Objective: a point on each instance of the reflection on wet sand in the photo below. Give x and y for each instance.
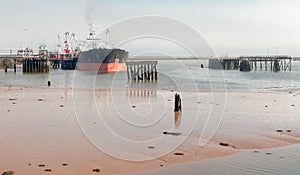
(138, 90)
(141, 93)
(177, 119)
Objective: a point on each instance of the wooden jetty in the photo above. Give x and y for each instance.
(248, 63)
(142, 70)
(30, 64)
(272, 63)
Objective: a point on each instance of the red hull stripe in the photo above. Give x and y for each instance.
(102, 67)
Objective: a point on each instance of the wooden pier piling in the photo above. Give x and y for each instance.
(142, 70)
(177, 104)
(35, 65)
(15, 65)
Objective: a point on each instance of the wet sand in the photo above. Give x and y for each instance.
(40, 134)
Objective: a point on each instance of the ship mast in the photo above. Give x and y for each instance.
(92, 36)
(106, 38)
(58, 46)
(25, 38)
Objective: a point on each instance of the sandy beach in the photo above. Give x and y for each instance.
(40, 134)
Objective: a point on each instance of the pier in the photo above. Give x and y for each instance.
(248, 63)
(271, 63)
(30, 64)
(142, 70)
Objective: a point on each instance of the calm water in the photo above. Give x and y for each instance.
(173, 75)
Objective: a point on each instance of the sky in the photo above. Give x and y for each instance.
(230, 27)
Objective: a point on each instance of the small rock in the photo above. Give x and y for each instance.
(133, 106)
(96, 170)
(279, 130)
(268, 153)
(8, 173)
(292, 105)
(266, 106)
(288, 130)
(178, 154)
(224, 144)
(61, 106)
(151, 147)
(13, 99)
(161, 165)
(64, 164)
(41, 165)
(48, 170)
(40, 99)
(256, 151)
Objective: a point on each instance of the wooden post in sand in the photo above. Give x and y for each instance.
(15, 65)
(5, 67)
(177, 105)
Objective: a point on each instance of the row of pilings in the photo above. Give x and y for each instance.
(35, 65)
(142, 70)
(248, 63)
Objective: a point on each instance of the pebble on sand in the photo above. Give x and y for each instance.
(96, 170)
(178, 154)
(8, 173)
(48, 170)
(224, 144)
(279, 130)
(64, 164)
(61, 106)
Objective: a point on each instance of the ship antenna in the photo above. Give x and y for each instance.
(25, 40)
(106, 39)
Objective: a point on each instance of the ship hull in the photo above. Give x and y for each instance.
(102, 60)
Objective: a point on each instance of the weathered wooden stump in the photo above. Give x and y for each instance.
(177, 105)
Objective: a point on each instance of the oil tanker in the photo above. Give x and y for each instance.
(99, 57)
